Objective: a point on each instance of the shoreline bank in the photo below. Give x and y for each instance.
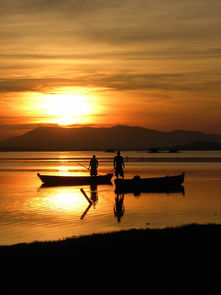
(128, 243)
(181, 260)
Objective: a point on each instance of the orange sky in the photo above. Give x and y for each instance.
(152, 63)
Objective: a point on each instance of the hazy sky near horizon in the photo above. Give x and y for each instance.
(152, 63)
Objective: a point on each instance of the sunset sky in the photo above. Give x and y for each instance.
(150, 63)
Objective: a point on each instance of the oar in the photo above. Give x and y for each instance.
(83, 166)
(86, 167)
(85, 212)
(86, 197)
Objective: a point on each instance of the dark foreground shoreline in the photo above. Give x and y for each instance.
(128, 243)
(183, 259)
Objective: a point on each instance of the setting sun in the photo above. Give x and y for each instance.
(61, 106)
(67, 109)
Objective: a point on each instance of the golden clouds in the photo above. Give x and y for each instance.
(145, 57)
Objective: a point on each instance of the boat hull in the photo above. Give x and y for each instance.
(57, 180)
(136, 191)
(159, 184)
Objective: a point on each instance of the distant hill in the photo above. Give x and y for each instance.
(88, 138)
(200, 146)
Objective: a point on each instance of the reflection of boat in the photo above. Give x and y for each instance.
(56, 180)
(137, 191)
(137, 183)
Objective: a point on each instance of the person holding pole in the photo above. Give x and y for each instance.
(119, 165)
(93, 166)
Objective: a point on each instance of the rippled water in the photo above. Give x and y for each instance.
(29, 212)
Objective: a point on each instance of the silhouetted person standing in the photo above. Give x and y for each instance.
(93, 166)
(119, 165)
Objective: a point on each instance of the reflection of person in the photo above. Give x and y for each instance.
(93, 166)
(119, 207)
(119, 165)
(94, 196)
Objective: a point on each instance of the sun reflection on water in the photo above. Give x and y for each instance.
(63, 170)
(59, 200)
(71, 170)
(66, 202)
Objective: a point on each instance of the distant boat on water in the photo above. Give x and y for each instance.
(173, 150)
(110, 151)
(154, 150)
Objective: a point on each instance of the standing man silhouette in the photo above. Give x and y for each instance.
(119, 165)
(93, 166)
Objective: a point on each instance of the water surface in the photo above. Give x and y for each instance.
(29, 212)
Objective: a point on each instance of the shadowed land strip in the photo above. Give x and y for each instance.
(180, 259)
(132, 243)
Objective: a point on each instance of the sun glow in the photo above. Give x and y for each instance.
(69, 108)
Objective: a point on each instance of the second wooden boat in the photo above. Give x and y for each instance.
(145, 184)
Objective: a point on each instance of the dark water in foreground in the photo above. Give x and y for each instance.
(29, 212)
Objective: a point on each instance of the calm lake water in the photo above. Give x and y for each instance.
(29, 212)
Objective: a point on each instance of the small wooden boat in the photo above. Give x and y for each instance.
(148, 184)
(53, 180)
(136, 191)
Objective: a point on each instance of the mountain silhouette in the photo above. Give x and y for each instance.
(199, 146)
(89, 138)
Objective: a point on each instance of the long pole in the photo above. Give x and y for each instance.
(85, 212)
(86, 197)
(83, 166)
